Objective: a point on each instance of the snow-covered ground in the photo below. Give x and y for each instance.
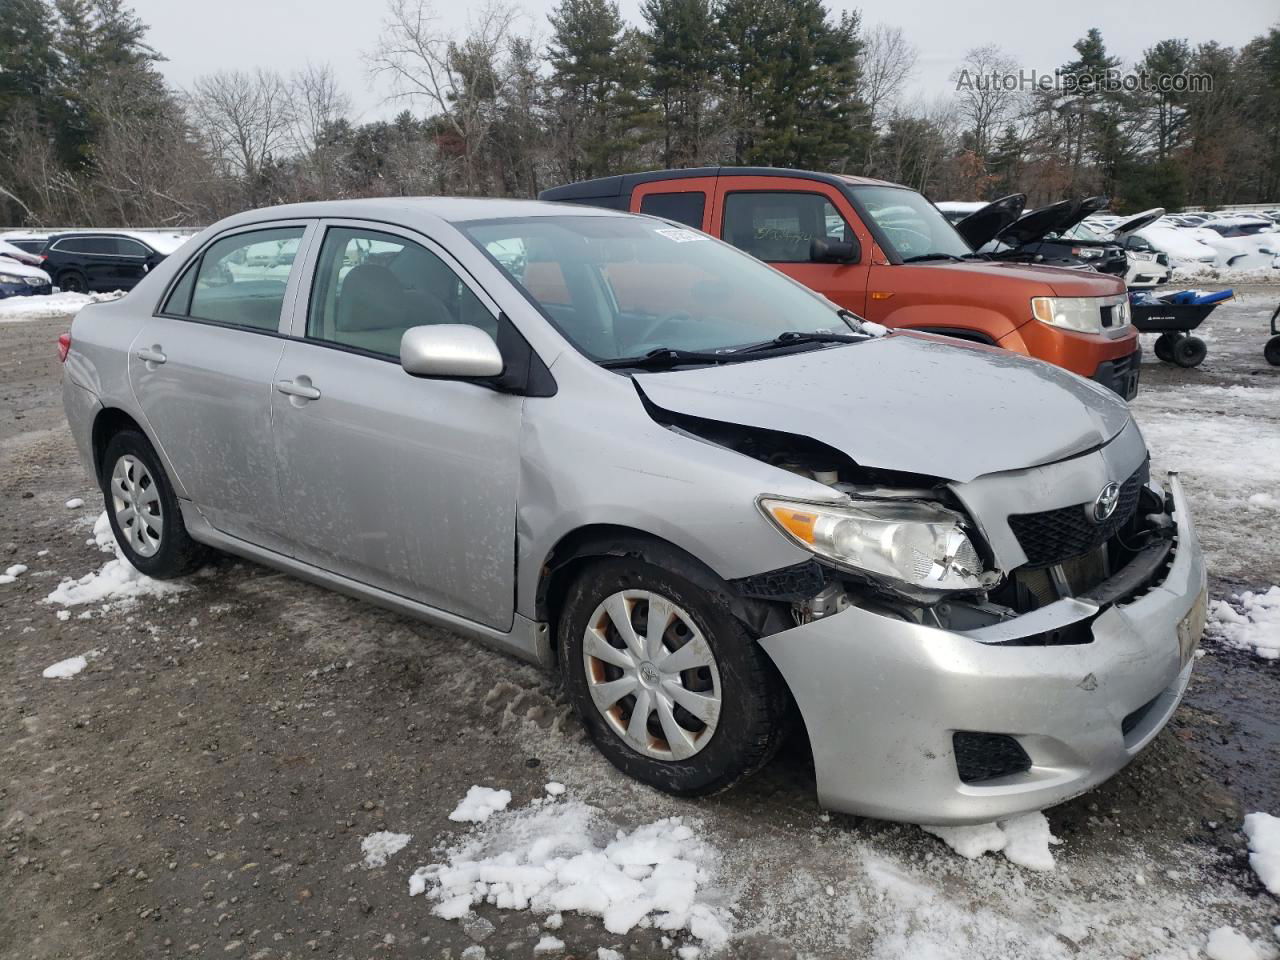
(24, 309)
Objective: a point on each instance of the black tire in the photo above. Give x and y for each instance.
(1272, 351)
(1189, 352)
(73, 281)
(1164, 346)
(177, 554)
(753, 711)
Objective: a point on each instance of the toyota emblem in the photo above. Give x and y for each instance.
(1107, 501)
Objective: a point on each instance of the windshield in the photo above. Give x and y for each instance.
(1078, 232)
(913, 227)
(620, 287)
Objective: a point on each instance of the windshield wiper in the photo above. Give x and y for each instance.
(793, 337)
(663, 357)
(933, 256)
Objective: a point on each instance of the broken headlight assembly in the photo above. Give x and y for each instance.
(918, 545)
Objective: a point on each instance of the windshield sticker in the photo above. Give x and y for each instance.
(678, 235)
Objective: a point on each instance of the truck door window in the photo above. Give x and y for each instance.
(686, 208)
(778, 227)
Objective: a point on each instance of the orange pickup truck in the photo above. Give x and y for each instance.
(886, 253)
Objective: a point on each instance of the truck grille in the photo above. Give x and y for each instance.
(1055, 536)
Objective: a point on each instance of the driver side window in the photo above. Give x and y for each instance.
(779, 227)
(370, 287)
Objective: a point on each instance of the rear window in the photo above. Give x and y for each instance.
(684, 208)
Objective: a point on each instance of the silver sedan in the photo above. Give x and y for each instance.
(706, 496)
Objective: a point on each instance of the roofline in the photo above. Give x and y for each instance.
(623, 184)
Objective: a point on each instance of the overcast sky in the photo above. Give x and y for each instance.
(284, 34)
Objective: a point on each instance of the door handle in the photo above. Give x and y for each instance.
(152, 354)
(299, 387)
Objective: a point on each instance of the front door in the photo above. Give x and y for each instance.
(775, 219)
(202, 371)
(405, 484)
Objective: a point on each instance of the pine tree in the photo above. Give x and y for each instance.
(30, 61)
(598, 76)
(682, 68)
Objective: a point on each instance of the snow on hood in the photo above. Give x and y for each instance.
(15, 269)
(906, 402)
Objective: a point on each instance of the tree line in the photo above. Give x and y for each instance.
(91, 132)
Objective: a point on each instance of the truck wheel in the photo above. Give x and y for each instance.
(143, 510)
(1272, 351)
(669, 684)
(1164, 346)
(1189, 352)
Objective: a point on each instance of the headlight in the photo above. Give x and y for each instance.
(915, 544)
(1071, 313)
(11, 278)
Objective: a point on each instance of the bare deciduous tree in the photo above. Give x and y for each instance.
(984, 103)
(461, 79)
(246, 117)
(318, 104)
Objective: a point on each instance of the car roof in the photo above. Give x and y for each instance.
(409, 209)
(623, 184)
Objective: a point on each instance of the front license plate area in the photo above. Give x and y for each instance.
(1191, 627)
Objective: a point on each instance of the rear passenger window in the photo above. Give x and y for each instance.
(778, 227)
(686, 208)
(92, 246)
(370, 287)
(240, 280)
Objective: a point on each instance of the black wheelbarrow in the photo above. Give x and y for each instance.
(1174, 322)
(1272, 350)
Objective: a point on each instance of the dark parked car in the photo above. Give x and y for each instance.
(34, 245)
(103, 261)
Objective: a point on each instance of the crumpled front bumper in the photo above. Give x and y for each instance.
(882, 698)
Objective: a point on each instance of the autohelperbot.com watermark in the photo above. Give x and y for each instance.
(1064, 81)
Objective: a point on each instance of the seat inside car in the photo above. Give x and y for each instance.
(374, 309)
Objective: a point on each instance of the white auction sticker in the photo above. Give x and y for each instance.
(678, 235)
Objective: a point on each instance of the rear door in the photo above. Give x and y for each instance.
(202, 368)
(402, 483)
(131, 262)
(687, 201)
(776, 218)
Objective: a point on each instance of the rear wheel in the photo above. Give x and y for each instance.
(73, 281)
(1272, 351)
(143, 510)
(1189, 352)
(668, 682)
(1164, 346)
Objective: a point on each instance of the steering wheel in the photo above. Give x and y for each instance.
(659, 323)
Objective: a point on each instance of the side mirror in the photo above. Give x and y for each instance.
(453, 350)
(822, 250)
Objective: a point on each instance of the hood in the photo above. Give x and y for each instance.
(1041, 279)
(1054, 218)
(1137, 222)
(906, 402)
(979, 227)
(17, 253)
(15, 269)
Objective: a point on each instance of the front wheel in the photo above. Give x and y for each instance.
(1164, 346)
(668, 682)
(143, 510)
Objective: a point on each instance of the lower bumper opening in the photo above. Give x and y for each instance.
(988, 756)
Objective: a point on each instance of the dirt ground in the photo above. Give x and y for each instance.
(202, 788)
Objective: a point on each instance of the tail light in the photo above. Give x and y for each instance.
(64, 346)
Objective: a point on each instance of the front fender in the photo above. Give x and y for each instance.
(983, 323)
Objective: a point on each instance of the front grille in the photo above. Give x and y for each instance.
(987, 756)
(1055, 536)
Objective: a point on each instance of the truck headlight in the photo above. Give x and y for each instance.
(1082, 314)
(916, 544)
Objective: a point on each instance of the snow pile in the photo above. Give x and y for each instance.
(1249, 622)
(1225, 944)
(549, 944)
(380, 847)
(479, 804)
(1263, 831)
(50, 306)
(104, 538)
(1023, 840)
(13, 573)
(552, 857)
(66, 669)
(118, 584)
(75, 503)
